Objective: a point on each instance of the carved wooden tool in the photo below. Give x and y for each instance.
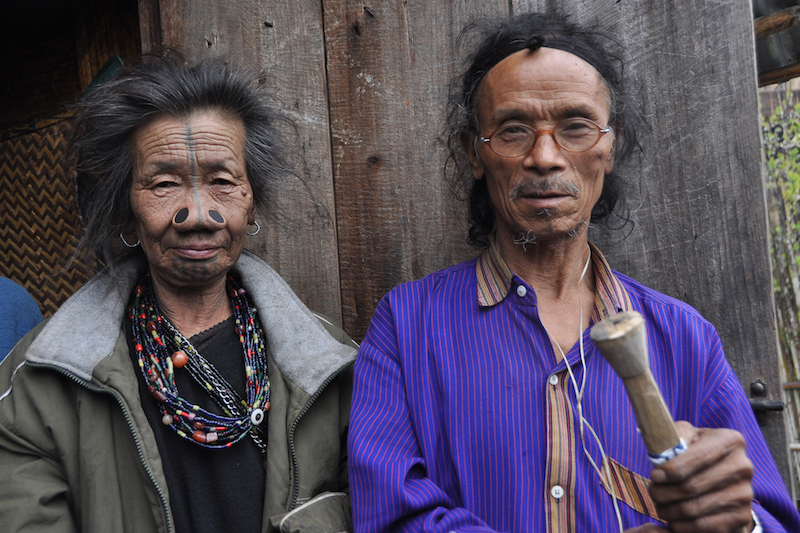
(623, 342)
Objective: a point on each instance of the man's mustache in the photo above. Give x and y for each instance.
(533, 187)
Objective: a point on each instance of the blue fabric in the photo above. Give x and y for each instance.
(19, 313)
(449, 429)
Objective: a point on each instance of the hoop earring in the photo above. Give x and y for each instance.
(134, 245)
(258, 228)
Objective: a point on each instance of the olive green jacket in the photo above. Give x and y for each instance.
(77, 452)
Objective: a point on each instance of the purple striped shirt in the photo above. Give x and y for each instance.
(463, 420)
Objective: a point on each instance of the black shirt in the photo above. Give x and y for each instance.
(210, 490)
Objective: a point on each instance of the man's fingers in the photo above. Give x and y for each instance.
(708, 488)
(728, 508)
(707, 448)
(729, 470)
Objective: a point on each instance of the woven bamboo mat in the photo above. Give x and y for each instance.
(38, 216)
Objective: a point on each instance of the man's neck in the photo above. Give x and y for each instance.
(550, 267)
(563, 283)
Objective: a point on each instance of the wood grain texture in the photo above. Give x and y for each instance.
(388, 66)
(654, 419)
(300, 241)
(374, 165)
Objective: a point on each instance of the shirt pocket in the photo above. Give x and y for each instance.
(630, 488)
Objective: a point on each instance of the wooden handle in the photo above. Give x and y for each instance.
(623, 342)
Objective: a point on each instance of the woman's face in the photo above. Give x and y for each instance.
(190, 197)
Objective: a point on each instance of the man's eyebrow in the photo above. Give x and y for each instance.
(578, 110)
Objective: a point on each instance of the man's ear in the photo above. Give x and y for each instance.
(470, 144)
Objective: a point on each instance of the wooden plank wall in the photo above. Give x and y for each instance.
(365, 82)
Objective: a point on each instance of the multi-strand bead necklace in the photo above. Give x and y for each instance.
(161, 349)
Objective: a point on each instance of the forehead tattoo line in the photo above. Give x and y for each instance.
(193, 171)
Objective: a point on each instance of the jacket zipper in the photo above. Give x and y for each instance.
(162, 497)
(295, 473)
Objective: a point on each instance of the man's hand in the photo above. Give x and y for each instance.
(706, 489)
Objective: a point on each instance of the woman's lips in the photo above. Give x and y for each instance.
(200, 252)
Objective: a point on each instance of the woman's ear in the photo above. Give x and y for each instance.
(469, 141)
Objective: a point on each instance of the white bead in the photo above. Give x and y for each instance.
(257, 416)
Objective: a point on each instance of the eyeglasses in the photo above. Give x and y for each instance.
(573, 135)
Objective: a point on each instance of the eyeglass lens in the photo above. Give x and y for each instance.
(575, 135)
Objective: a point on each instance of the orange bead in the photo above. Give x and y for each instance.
(199, 436)
(179, 359)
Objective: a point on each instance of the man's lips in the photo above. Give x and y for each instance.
(545, 201)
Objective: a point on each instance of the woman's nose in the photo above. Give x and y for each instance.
(198, 217)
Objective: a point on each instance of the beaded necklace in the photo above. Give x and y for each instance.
(161, 348)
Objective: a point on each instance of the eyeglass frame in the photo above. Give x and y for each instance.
(551, 132)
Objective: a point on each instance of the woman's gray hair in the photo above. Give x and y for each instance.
(108, 117)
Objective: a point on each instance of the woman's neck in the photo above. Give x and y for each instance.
(193, 309)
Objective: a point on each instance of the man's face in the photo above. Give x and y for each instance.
(190, 197)
(548, 193)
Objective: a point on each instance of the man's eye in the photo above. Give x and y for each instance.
(511, 133)
(575, 128)
(166, 184)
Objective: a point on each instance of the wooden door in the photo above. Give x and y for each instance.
(365, 83)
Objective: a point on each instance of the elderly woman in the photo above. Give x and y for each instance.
(185, 387)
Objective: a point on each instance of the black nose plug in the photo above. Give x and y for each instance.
(181, 216)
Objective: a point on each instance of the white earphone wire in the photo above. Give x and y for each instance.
(579, 397)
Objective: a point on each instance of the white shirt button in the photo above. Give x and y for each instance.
(557, 492)
(521, 291)
(553, 380)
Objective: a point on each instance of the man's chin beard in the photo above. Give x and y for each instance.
(527, 238)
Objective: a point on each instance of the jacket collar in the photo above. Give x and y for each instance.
(86, 327)
(495, 279)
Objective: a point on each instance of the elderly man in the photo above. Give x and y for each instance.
(480, 402)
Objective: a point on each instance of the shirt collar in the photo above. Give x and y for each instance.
(495, 278)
